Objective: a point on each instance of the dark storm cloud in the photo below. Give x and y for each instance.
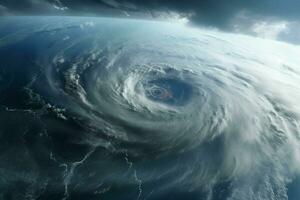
(214, 13)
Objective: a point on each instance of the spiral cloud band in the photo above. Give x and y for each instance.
(158, 109)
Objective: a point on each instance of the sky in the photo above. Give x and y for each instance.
(271, 19)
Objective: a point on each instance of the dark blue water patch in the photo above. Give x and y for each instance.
(293, 189)
(168, 91)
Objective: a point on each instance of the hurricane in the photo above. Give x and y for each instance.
(133, 109)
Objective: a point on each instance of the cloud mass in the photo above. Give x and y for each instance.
(224, 15)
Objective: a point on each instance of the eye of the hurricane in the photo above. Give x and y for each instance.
(168, 91)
